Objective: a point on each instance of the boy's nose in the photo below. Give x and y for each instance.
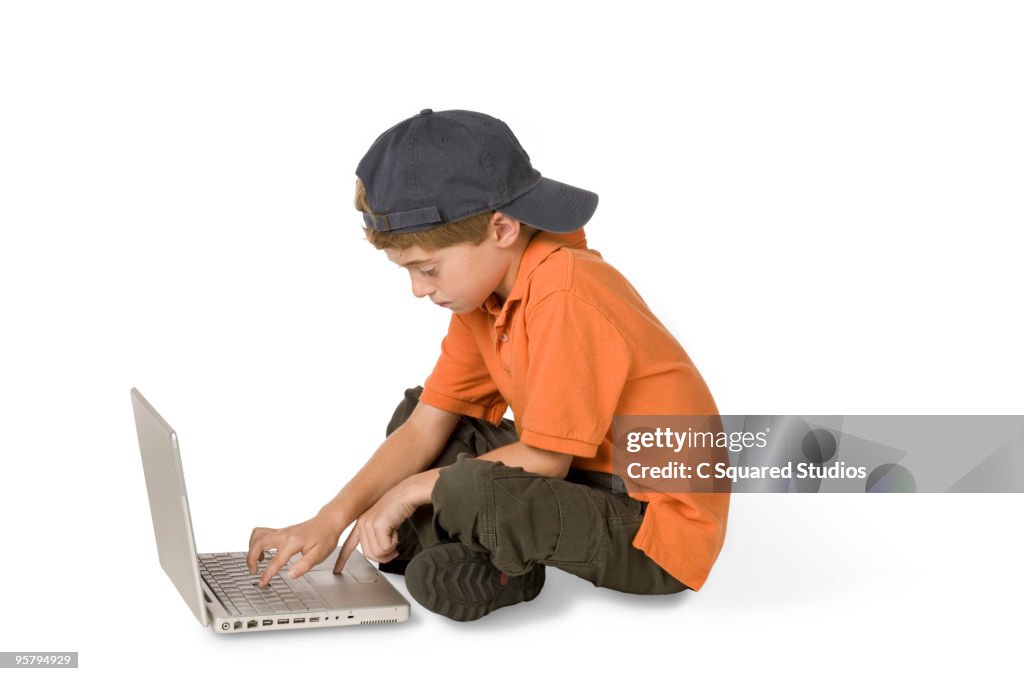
(420, 289)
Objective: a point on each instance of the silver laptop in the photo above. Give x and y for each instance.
(218, 586)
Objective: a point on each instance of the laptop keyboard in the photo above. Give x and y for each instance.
(240, 593)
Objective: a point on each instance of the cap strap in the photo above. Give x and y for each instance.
(394, 222)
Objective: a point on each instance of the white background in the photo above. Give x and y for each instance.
(821, 200)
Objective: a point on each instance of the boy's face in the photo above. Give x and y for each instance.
(461, 277)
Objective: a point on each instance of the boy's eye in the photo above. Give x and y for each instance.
(428, 273)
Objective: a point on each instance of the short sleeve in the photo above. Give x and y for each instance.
(578, 365)
(460, 382)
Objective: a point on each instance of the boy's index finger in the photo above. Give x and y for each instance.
(253, 559)
(346, 549)
(274, 567)
(258, 542)
(256, 555)
(301, 566)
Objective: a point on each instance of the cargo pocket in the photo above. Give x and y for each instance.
(537, 520)
(625, 510)
(582, 531)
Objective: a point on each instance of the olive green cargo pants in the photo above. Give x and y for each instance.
(522, 519)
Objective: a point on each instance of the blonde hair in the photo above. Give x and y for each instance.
(468, 230)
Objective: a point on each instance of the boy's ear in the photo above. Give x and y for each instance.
(505, 228)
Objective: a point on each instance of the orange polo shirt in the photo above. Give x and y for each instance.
(573, 345)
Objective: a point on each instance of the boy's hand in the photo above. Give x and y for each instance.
(315, 538)
(376, 530)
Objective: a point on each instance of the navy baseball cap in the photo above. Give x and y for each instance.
(440, 167)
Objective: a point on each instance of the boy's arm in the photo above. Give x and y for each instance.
(376, 528)
(408, 450)
(529, 458)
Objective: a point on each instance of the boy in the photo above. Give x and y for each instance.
(469, 506)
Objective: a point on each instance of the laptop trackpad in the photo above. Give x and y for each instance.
(361, 571)
(358, 586)
(343, 591)
(357, 567)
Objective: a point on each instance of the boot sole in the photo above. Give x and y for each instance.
(462, 585)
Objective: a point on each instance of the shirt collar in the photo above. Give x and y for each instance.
(540, 246)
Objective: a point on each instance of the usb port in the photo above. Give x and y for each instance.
(314, 619)
(268, 623)
(299, 620)
(282, 621)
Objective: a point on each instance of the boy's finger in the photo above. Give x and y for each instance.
(256, 532)
(346, 550)
(372, 545)
(256, 547)
(304, 564)
(275, 565)
(254, 557)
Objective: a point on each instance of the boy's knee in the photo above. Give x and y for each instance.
(511, 513)
(465, 484)
(405, 408)
(458, 497)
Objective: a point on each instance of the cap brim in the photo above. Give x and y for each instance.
(553, 206)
